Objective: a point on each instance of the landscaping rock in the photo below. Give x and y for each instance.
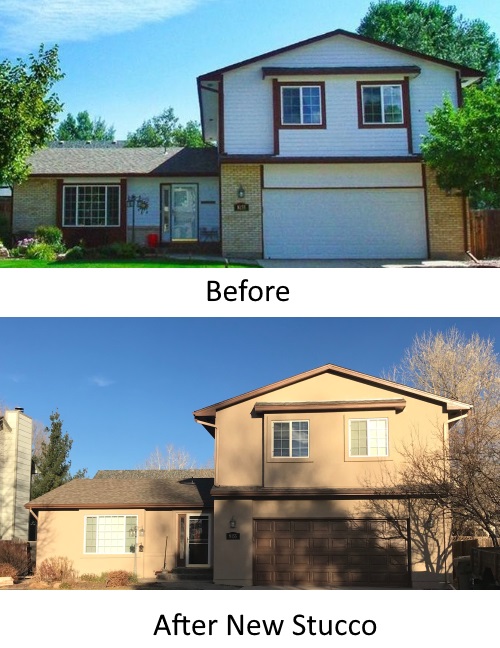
(4, 253)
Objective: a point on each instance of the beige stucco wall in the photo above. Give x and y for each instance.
(34, 203)
(241, 434)
(61, 533)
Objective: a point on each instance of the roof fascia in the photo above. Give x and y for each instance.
(448, 404)
(465, 71)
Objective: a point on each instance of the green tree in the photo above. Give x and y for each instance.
(27, 111)
(165, 130)
(463, 145)
(435, 30)
(53, 464)
(83, 128)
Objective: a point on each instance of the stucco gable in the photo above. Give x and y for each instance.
(207, 414)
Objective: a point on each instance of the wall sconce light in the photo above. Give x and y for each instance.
(241, 192)
(232, 523)
(141, 532)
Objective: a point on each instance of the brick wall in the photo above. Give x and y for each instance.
(447, 235)
(35, 203)
(241, 231)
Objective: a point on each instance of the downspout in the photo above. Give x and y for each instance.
(443, 516)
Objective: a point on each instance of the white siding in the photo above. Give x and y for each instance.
(248, 103)
(342, 175)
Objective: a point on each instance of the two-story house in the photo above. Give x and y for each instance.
(300, 493)
(318, 156)
(319, 149)
(306, 483)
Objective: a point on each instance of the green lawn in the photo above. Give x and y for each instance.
(122, 263)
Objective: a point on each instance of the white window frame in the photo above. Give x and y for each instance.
(301, 122)
(78, 187)
(380, 86)
(102, 553)
(368, 420)
(290, 440)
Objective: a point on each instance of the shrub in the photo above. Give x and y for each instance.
(66, 586)
(75, 253)
(41, 251)
(51, 235)
(120, 578)
(94, 578)
(8, 570)
(17, 554)
(55, 569)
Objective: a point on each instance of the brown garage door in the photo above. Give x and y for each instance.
(329, 552)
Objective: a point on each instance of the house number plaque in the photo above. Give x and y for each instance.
(232, 536)
(241, 207)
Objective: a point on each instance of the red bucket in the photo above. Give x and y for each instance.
(152, 240)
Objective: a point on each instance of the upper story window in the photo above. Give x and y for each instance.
(91, 206)
(302, 105)
(369, 437)
(110, 534)
(291, 439)
(381, 105)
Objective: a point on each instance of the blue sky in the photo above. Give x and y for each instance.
(125, 386)
(126, 61)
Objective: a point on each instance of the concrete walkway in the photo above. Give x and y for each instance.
(361, 263)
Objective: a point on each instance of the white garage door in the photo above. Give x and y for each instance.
(344, 224)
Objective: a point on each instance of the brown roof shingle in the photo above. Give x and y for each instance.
(104, 161)
(128, 493)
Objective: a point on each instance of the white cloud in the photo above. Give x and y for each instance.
(100, 381)
(24, 25)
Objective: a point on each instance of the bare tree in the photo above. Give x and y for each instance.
(172, 458)
(460, 473)
(40, 436)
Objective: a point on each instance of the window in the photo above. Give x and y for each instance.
(291, 439)
(91, 206)
(382, 105)
(368, 438)
(301, 105)
(110, 534)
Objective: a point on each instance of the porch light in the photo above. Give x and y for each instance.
(241, 192)
(141, 532)
(232, 522)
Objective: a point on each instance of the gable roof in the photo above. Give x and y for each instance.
(120, 161)
(206, 415)
(464, 71)
(124, 492)
(176, 474)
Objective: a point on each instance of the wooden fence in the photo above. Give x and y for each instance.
(463, 546)
(485, 233)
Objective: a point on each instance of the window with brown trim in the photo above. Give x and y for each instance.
(381, 105)
(91, 206)
(302, 105)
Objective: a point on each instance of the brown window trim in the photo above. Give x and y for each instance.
(404, 83)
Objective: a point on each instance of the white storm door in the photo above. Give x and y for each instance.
(184, 212)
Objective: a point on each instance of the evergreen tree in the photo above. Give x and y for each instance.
(53, 465)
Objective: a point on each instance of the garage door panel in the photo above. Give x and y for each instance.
(344, 224)
(360, 557)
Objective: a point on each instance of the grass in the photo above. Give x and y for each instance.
(156, 262)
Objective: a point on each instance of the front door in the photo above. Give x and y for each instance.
(184, 212)
(198, 540)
